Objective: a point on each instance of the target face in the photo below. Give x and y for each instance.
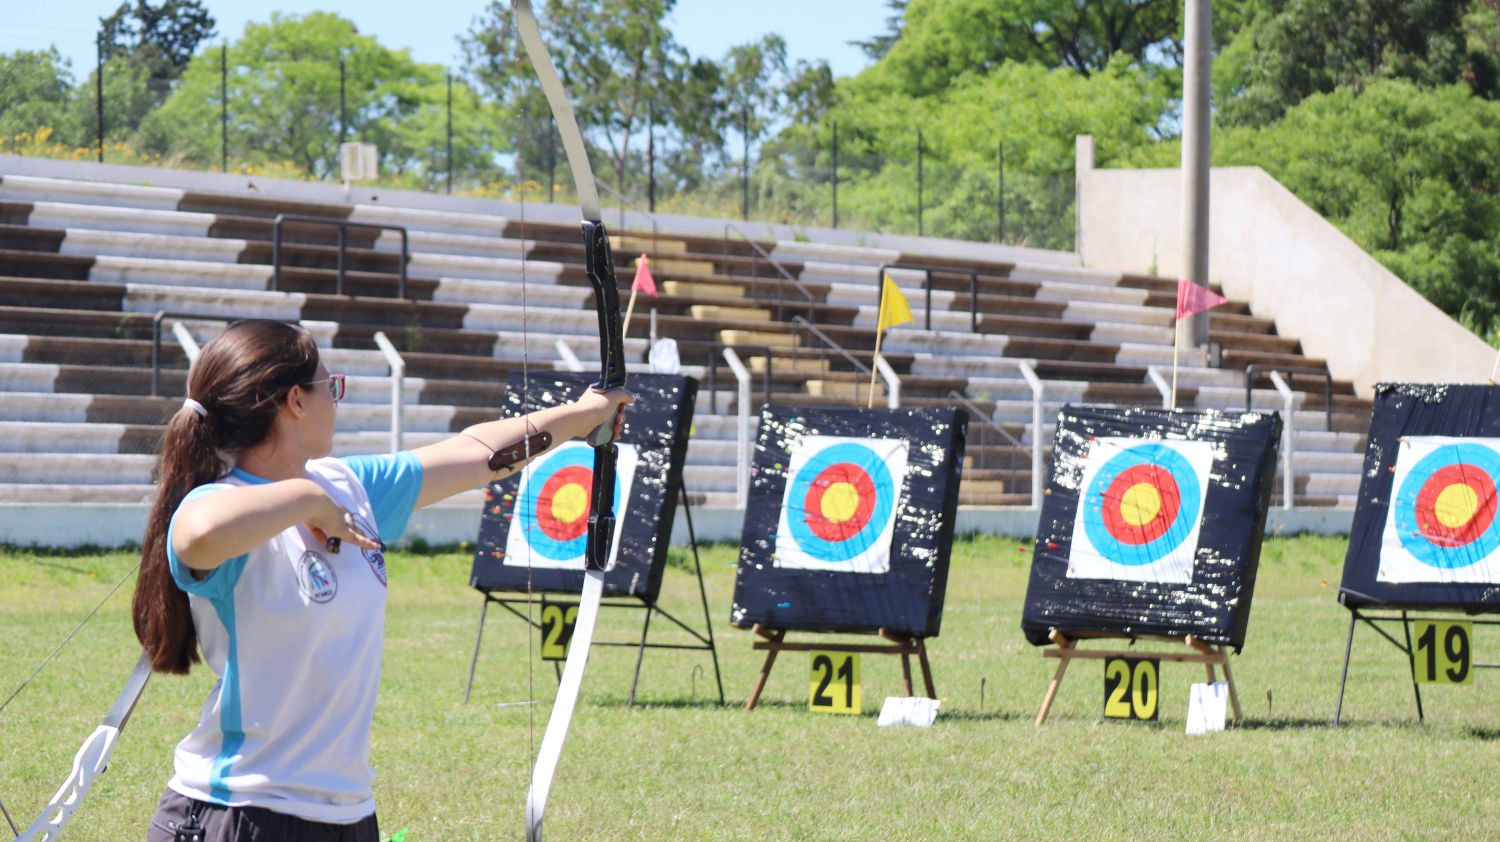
(1440, 525)
(552, 507)
(839, 511)
(1140, 509)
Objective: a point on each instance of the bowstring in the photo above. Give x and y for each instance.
(519, 516)
(53, 655)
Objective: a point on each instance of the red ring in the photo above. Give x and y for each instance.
(864, 488)
(1171, 500)
(561, 530)
(1449, 475)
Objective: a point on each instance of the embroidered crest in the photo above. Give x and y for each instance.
(315, 578)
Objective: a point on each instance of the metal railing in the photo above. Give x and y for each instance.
(343, 226)
(1253, 372)
(1159, 380)
(928, 271)
(742, 430)
(988, 419)
(627, 204)
(1288, 465)
(398, 376)
(893, 396)
(711, 372)
(757, 254)
(181, 334)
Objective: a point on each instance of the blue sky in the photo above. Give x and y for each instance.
(813, 29)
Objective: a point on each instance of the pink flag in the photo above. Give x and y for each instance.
(1192, 298)
(643, 280)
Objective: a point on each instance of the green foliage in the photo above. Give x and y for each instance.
(1294, 49)
(1411, 174)
(283, 98)
(35, 93)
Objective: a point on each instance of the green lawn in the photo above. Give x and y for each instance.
(681, 767)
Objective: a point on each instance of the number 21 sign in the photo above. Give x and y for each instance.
(834, 682)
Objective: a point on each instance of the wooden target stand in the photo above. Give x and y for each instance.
(1066, 650)
(705, 640)
(775, 643)
(1407, 647)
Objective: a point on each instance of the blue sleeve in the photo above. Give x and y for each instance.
(393, 483)
(219, 581)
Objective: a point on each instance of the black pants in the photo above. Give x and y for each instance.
(250, 824)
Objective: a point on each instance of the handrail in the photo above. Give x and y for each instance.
(1289, 405)
(156, 322)
(980, 414)
(398, 376)
(1254, 371)
(742, 435)
(569, 358)
(186, 340)
(892, 382)
(1160, 382)
(343, 225)
(859, 366)
(625, 204)
(1038, 395)
(758, 254)
(927, 287)
(711, 371)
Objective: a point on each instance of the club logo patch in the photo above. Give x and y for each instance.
(315, 578)
(376, 558)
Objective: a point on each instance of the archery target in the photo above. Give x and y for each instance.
(1140, 509)
(839, 510)
(1440, 524)
(552, 507)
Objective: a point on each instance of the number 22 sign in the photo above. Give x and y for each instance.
(834, 682)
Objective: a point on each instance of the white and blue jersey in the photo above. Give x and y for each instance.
(295, 633)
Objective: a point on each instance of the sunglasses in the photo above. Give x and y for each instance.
(335, 386)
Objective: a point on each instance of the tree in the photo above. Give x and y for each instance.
(614, 56)
(1294, 49)
(168, 35)
(34, 94)
(283, 96)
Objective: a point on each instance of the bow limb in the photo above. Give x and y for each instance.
(612, 376)
(91, 761)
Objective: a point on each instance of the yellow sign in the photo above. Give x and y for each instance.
(1130, 688)
(834, 684)
(557, 624)
(1442, 652)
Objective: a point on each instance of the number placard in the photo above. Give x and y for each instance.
(558, 619)
(1130, 688)
(834, 682)
(1444, 652)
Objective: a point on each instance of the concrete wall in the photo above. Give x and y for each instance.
(1268, 248)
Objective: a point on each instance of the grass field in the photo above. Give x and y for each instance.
(681, 767)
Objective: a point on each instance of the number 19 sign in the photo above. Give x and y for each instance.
(1443, 652)
(834, 682)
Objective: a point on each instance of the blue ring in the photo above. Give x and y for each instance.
(526, 507)
(864, 458)
(1188, 510)
(1405, 502)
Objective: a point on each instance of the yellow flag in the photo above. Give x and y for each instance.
(893, 307)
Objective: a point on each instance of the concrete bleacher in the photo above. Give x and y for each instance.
(85, 265)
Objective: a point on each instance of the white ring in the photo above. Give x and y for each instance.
(189, 403)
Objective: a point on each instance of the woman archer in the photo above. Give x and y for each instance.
(267, 555)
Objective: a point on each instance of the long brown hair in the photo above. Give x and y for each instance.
(241, 379)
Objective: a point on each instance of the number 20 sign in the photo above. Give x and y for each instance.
(834, 682)
(1130, 688)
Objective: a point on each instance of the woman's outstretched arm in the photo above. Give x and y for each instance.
(461, 462)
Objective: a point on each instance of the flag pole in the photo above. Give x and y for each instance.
(1176, 342)
(629, 309)
(879, 323)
